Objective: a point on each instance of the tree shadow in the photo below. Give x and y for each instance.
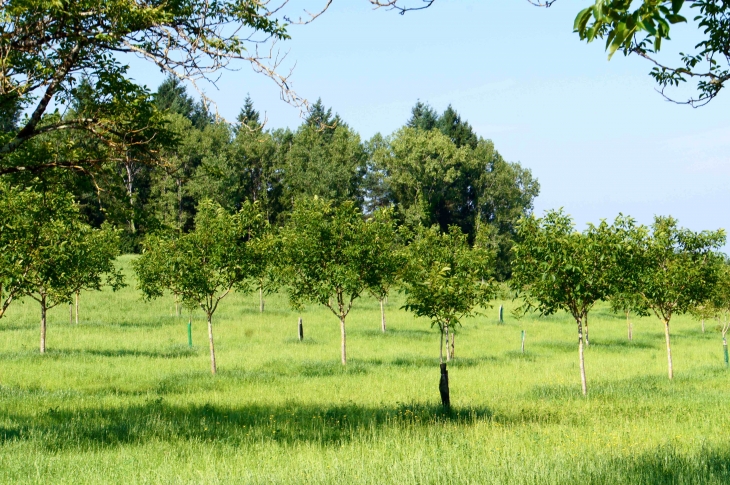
(666, 465)
(157, 420)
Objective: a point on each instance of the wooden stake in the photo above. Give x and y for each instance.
(301, 330)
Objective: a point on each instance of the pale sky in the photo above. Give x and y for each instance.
(595, 133)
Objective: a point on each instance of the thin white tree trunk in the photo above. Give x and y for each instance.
(382, 315)
(588, 342)
(669, 350)
(213, 367)
(43, 325)
(583, 383)
(344, 340)
(448, 353)
(261, 299)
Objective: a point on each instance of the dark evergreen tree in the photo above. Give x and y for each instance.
(460, 132)
(423, 117)
(249, 115)
(10, 109)
(172, 96)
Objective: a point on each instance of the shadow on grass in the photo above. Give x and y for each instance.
(666, 465)
(156, 420)
(174, 352)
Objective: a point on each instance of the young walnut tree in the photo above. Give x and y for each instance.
(223, 252)
(331, 255)
(445, 281)
(557, 268)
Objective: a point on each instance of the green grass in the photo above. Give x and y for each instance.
(120, 398)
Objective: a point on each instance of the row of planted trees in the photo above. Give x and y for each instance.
(333, 254)
(662, 270)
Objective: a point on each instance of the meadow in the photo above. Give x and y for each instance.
(121, 398)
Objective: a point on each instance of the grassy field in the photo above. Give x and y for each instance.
(120, 398)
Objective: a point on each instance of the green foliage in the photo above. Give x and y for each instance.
(204, 265)
(673, 269)
(330, 254)
(446, 280)
(48, 253)
(640, 28)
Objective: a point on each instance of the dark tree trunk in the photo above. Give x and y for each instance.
(301, 329)
(444, 387)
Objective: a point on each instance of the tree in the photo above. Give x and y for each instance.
(388, 264)
(325, 162)
(459, 132)
(223, 252)
(430, 180)
(423, 117)
(54, 255)
(48, 46)
(626, 303)
(445, 281)
(249, 116)
(672, 269)
(330, 255)
(717, 305)
(557, 268)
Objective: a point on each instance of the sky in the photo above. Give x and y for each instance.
(598, 137)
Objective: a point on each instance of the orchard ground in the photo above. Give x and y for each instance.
(120, 398)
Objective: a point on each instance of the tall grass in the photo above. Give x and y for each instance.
(120, 398)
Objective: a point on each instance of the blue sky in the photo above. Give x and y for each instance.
(595, 133)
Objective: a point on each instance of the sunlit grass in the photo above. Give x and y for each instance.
(120, 398)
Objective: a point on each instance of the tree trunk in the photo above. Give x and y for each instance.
(628, 325)
(382, 315)
(301, 329)
(441, 349)
(588, 342)
(444, 387)
(453, 342)
(43, 325)
(261, 299)
(669, 349)
(448, 351)
(583, 384)
(344, 340)
(213, 367)
(77, 308)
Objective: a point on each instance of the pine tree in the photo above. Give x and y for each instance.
(460, 132)
(423, 117)
(249, 115)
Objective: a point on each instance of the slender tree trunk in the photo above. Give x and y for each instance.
(382, 315)
(213, 367)
(628, 325)
(588, 342)
(43, 324)
(77, 308)
(300, 327)
(441, 349)
(444, 381)
(453, 343)
(583, 384)
(261, 299)
(344, 340)
(670, 369)
(448, 351)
